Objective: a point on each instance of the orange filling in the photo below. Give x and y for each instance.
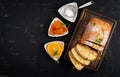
(55, 49)
(58, 28)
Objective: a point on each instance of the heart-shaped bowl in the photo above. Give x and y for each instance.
(57, 28)
(54, 49)
(69, 11)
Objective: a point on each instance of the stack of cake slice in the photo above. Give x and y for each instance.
(81, 56)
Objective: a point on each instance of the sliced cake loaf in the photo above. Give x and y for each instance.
(97, 31)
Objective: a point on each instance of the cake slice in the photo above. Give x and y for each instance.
(79, 58)
(86, 52)
(93, 45)
(76, 64)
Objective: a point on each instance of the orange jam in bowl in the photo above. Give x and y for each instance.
(58, 28)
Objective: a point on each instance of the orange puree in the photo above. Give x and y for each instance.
(58, 28)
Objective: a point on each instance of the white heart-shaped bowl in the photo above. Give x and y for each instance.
(73, 7)
(57, 35)
(57, 58)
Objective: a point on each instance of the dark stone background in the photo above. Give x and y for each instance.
(23, 32)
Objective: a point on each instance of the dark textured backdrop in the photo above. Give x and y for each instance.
(23, 32)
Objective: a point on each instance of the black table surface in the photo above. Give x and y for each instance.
(23, 33)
